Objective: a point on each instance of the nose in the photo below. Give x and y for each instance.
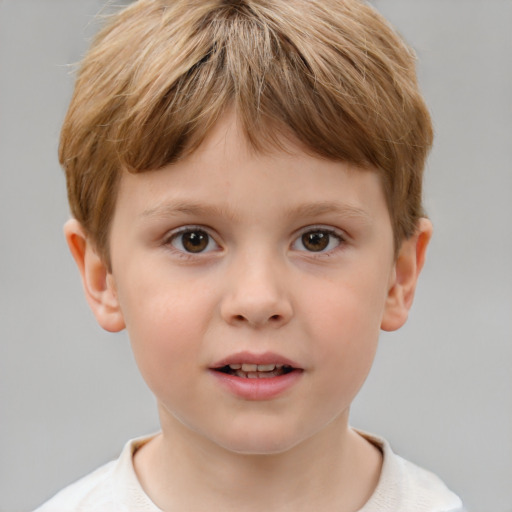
(257, 295)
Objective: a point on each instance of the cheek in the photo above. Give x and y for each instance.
(344, 359)
(347, 309)
(166, 324)
(344, 321)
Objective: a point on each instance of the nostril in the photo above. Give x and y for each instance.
(242, 318)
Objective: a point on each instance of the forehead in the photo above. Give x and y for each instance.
(226, 173)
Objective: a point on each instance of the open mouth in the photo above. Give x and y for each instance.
(255, 371)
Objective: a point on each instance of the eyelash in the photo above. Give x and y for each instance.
(180, 233)
(330, 233)
(177, 236)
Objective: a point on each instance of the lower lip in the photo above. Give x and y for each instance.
(258, 389)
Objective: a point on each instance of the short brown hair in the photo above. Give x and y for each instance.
(331, 74)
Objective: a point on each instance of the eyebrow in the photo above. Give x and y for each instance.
(317, 209)
(307, 210)
(172, 209)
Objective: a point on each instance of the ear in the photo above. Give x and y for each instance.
(98, 282)
(408, 265)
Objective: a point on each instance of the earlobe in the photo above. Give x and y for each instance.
(408, 265)
(97, 281)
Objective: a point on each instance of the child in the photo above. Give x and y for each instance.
(245, 182)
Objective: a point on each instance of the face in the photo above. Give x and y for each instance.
(253, 288)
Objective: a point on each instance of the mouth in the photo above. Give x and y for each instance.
(257, 377)
(256, 371)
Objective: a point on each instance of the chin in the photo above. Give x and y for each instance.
(260, 442)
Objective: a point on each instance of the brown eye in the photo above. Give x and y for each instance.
(193, 241)
(315, 241)
(318, 240)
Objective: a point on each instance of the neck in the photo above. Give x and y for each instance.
(335, 469)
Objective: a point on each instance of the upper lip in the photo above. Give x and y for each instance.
(254, 358)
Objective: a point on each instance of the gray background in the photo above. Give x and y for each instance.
(440, 391)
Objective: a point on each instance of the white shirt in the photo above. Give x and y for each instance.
(114, 487)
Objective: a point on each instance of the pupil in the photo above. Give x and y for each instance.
(316, 241)
(195, 241)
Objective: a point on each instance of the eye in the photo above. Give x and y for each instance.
(318, 240)
(193, 241)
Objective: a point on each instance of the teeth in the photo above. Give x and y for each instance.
(256, 375)
(246, 367)
(257, 371)
(266, 367)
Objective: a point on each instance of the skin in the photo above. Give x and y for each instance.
(257, 287)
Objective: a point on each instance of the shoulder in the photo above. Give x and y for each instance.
(403, 486)
(113, 487)
(91, 489)
(424, 489)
